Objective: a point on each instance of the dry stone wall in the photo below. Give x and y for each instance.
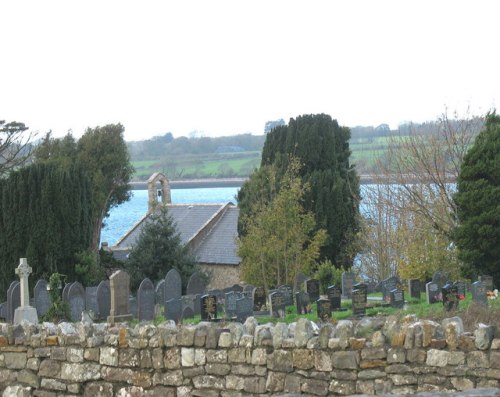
(233, 359)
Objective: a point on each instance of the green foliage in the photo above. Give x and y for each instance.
(87, 268)
(327, 274)
(322, 146)
(478, 196)
(59, 310)
(158, 250)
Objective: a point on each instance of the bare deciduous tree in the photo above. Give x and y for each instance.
(15, 145)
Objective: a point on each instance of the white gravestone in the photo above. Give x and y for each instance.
(25, 312)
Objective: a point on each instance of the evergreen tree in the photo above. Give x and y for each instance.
(478, 202)
(159, 249)
(322, 147)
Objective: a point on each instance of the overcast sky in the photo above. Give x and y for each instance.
(227, 67)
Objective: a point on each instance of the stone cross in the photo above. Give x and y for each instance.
(23, 271)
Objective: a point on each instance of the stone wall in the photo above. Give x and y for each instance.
(232, 359)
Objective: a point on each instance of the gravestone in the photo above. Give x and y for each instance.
(188, 301)
(244, 308)
(324, 309)
(414, 288)
(397, 298)
(347, 283)
(312, 288)
(287, 291)
(248, 289)
(197, 304)
(277, 301)
(449, 292)
(487, 281)
(440, 278)
(358, 297)
(76, 301)
(300, 278)
(259, 299)
(230, 304)
(187, 312)
(42, 297)
(103, 300)
(479, 293)
(209, 307)
(91, 299)
(3, 310)
(119, 286)
(461, 289)
(24, 312)
(160, 292)
(173, 285)
(13, 299)
(132, 306)
(389, 284)
(363, 287)
(65, 292)
(146, 301)
(433, 292)
(173, 309)
(303, 302)
(197, 284)
(237, 288)
(335, 297)
(219, 298)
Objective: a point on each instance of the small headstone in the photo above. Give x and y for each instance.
(324, 310)
(300, 278)
(244, 308)
(197, 284)
(208, 307)
(387, 285)
(91, 300)
(76, 301)
(160, 292)
(219, 298)
(230, 304)
(65, 291)
(335, 297)
(347, 283)
(13, 299)
(363, 287)
(146, 301)
(449, 293)
(461, 289)
(440, 278)
(259, 299)
(173, 309)
(103, 300)
(414, 288)
(277, 301)
(187, 312)
(397, 298)
(287, 291)
(358, 297)
(433, 293)
(312, 288)
(487, 281)
(303, 302)
(197, 304)
(119, 285)
(237, 288)
(479, 293)
(248, 289)
(42, 298)
(173, 285)
(188, 301)
(3, 310)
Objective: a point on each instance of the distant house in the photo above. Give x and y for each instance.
(208, 230)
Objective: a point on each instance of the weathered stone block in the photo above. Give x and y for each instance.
(437, 358)
(33, 364)
(234, 382)
(98, 389)
(217, 369)
(367, 364)
(416, 355)
(28, 377)
(225, 340)
(49, 368)
(259, 356)
(345, 360)
(292, 383)
(456, 358)
(280, 360)
(462, 384)
(237, 355)
(191, 372)
(373, 353)
(303, 359)
(342, 387)
(187, 357)
(495, 359)
(209, 382)
(169, 378)
(91, 354)
(74, 354)
(397, 369)
(53, 384)
(478, 359)
(172, 358)
(80, 372)
(322, 361)
(255, 384)
(275, 381)
(15, 360)
(316, 387)
(141, 379)
(108, 356)
(395, 355)
(114, 374)
(129, 357)
(365, 387)
(401, 380)
(371, 374)
(242, 369)
(216, 356)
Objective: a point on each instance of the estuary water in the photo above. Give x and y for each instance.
(122, 218)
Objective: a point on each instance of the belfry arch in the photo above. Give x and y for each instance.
(158, 186)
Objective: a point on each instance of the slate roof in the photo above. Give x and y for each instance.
(215, 224)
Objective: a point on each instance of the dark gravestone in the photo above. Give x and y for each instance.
(287, 291)
(197, 284)
(449, 292)
(91, 299)
(300, 278)
(461, 289)
(248, 289)
(42, 297)
(65, 292)
(334, 296)
(433, 293)
(324, 310)
(187, 312)
(479, 293)
(347, 283)
(208, 307)
(303, 302)
(387, 285)
(3, 310)
(277, 301)
(363, 287)
(76, 301)
(312, 288)
(197, 305)
(414, 288)
(173, 309)
(259, 299)
(244, 308)
(13, 299)
(440, 278)
(487, 281)
(146, 301)
(358, 297)
(103, 299)
(219, 298)
(230, 304)
(237, 288)
(160, 292)
(227, 290)
(119, 286)
(188, 302)
(397, 298)
(173, 285)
